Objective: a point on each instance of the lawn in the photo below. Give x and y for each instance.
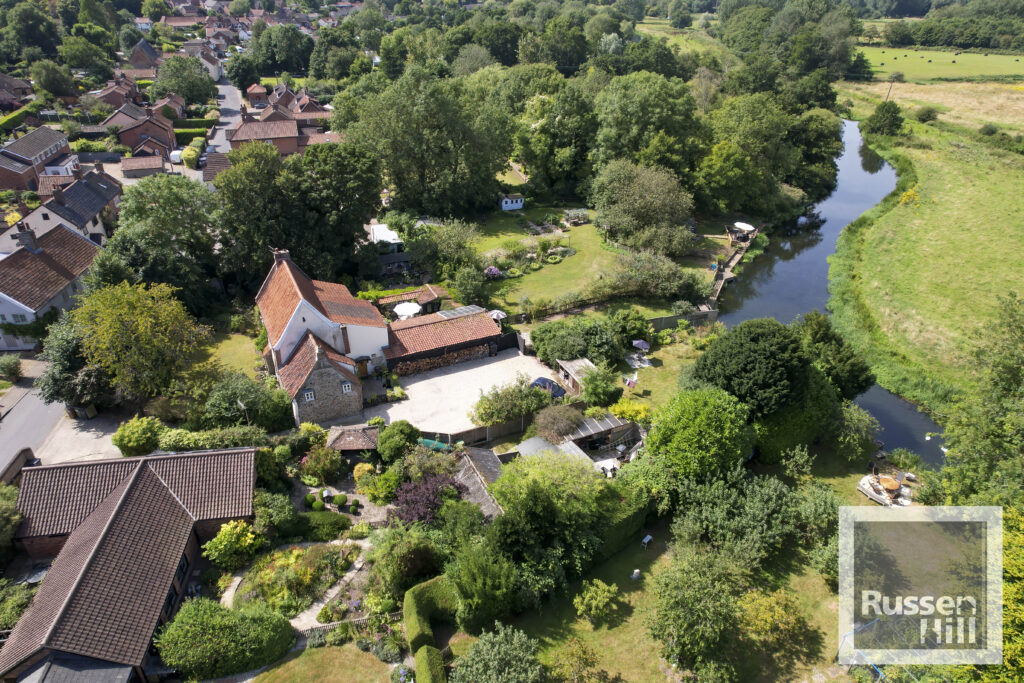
(896, 301)
(335, 664)
(271, 81)
(657, 384)
(927, 65)
(4, 386)
(624, 648)
(235, 352)
(503, 226)
(687, 39)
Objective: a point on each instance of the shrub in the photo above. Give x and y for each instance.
(634, 411)
(364, 644)
(207, 640)
(361, 470)
(388, 651)
(340, 499)
(988, 129)
(596, 601)
(340, 635)
(10, 366)
(509, 402)
(395, 439)
(601, 386)
(322, 464)
(290, 579)
(318, 506)
(233, 546)
(926, 114)
(376, 421)
(429, 665)
(274, 515)
(310, 499)
(177, 440)
(553, 258)
(402, 674)
(190, 157)
(354, 510)
(434, 599)
(138, 436)
(380, 488)
(14, 600)
(316, 434)
(503, 654)
(419, 501)
(323, 525)
(183, 136)
(316, 639)
(555, 422)
(358, 531)
(885, 120)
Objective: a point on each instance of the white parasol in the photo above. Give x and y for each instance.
(407, 309)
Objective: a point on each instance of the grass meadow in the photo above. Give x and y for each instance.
(921, 65)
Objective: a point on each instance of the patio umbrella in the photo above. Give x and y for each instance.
(498, 315)
(641, 344)
(745, 227)
(407, 309)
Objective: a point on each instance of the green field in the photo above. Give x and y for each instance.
(336, 664)
(687, 39)
(915, 66)
(235, 352)
(915, 282)
(271, 81)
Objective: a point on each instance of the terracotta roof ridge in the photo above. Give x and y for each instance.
(143, 458)
(92, 555)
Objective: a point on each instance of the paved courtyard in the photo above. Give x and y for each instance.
(440, 400)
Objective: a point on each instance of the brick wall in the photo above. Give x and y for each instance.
(43, 546)
(411, 367)
(329, 402)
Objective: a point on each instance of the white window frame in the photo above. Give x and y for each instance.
(20, 318)
(346, 388)
(308, 396)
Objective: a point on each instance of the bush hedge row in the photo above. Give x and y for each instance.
(430, 599)
(322, 525)
(14, 119)
(184, 124)
(622, 527)
(226, 437)
(183, 136)
(429, 665)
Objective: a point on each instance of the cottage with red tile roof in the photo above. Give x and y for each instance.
(126, 534)
(320, 341)
(39, 274)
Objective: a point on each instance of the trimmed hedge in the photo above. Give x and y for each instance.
(14, 119)
(429, 665)
(227, 437)
(322, 525)
(183, 136)
(433, 598)
(622, 527)
(194, 123)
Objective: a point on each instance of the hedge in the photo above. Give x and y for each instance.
(322, 525)
(183, 136)
(194, 123)
(622, 527)
(14, 119)
(429, 665)
(227, 437)
(433, 598)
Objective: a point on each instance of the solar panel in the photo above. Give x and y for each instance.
(459, 312)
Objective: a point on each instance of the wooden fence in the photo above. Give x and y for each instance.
(357, 623)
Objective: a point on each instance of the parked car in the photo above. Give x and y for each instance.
(549, 385)
(176, 156)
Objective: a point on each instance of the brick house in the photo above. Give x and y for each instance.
(40, 273)
(79, 205)
(143, 56)
(174, 102)
(43, 151)
(257, 95)
(120, 91)
(125, 553)
(138, 124)
(320, 341)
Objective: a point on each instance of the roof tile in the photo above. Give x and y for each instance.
(432, 332)
(32, 279)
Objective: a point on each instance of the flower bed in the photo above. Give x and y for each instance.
(289, 580)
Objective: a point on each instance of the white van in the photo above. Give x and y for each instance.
(176, 156)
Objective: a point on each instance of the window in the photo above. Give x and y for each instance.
(20, 318)
(308, 396)
(179, 576)
(95, 221)
(346, 388)
(172, 597)
(3, 318)
(46, 216)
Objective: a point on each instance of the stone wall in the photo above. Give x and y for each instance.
(412, 367)
(329, 401)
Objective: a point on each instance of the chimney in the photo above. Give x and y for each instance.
(281, 255)
(58, 194)
(98, 167)
(245, 112)
(77, 173)
(27, 238)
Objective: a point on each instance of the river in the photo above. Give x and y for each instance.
(791, 278)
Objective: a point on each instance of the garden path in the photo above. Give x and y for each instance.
(307, 618)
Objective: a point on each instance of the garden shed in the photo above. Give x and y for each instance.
(573, 372)
(602, 433)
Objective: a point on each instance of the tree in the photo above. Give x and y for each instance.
(10, 366)
(128, 37)
(49, 77)
(594, 338)
(601, 386)
(728, 180)
(282, 47)
(512, 401)
(241, 70)
(322, 464)
(647, 118)
(555, 422)
(80, 53)
(471, 58)
(140, 335)
(233, 546)
(554, 139)
(578, 664)
(694, 608)
(67, 378)
(503, 655)
(10, 519)
(237, 398)
(469, 286)
(28, 25)
(773, 619)
(848, 372)
(239, 8)
(446, 249)
(184, 76)
(274, 515)
(561, 44)
(156, 9)
(419, 501)
(207, 640)
(757, 125)
(898, 34)
(885, 120)
(761, 362)
(643, 207)
(167, 229)
(596, 601)
(679, 14)
(138, 436)
(440, 152)
(396, 439)
(700, 432)
(487, 584)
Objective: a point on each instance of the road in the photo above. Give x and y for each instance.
(230, 112)
(27, 424)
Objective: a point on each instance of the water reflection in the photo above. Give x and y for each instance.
(791, 278)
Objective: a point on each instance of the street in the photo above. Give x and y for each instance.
(230, 112)
(28, 421)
